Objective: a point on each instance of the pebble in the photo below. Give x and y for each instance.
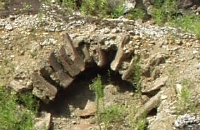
(9, 27)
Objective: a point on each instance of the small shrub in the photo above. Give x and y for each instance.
(163, 12)
(70, 5)
(112, 115)
(137, 74)
(17, 111)
(117, 11)
(139, 124)
(184, 103)
(115, 8)
(136, 13)
(94, 7)
(98, 88)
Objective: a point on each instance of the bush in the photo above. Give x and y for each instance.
(94, 7)
(163, 12)
(98, 88)
(17, 111)
(184, 103)
(112, 115)
(136, 13)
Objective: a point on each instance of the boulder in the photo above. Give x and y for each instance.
(164, 122)
(188, 122)
(116, 63)
(17, 86)
(64, 79)
(43, 89)
(89, 110)
(43, 122)
(155, 85)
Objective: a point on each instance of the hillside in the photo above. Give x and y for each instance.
(148, 74)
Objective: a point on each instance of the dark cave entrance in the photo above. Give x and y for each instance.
(78, 93)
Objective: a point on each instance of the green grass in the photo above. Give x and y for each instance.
(189, 24)
(112, 115)
(137, 74)
(167, 13)
(164, 12)
(184, 102)
(140, 124)
(17, 110)
(98, 88)
(95, 7)
(117, 11)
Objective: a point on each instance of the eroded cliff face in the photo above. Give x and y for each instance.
(50, 55)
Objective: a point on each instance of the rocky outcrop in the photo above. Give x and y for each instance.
(51, 64)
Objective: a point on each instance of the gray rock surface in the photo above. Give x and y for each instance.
(188, 122)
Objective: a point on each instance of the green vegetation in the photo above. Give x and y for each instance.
(188, 23)
(115, 115)
(137, 74)
(17, 110)
(167, 13)
(164, 12)
(117, 11)
(112, 115)
(184, 103)
(139, 124)
(94, 7)
(137, 13)
(3, 5)
(107, 115)
(98, 88)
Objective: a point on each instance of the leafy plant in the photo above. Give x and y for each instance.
(184, 103)
(97, 87)
(137, 74)
(17, 111)
(3, 4)
(112, 114)
(136, 13)
(70, 5)
(140, 123)
(163, 12)
(95, 7)
(117, 11)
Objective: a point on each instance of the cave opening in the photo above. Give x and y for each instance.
(78, 93)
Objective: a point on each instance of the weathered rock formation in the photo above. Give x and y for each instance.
(53, 62)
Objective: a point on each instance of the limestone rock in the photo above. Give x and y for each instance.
(84, 127)
(17, 86)
(64, 78)
(188, 122)
(43, 122)
(156, 85)
(68, 65)
(102, 60)
(72, 52)
(128, 72)
(89, 110)
(9, 27)
(153, 61)
(148, 106)
(163, 123)
(120, 54)
(43, 89)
